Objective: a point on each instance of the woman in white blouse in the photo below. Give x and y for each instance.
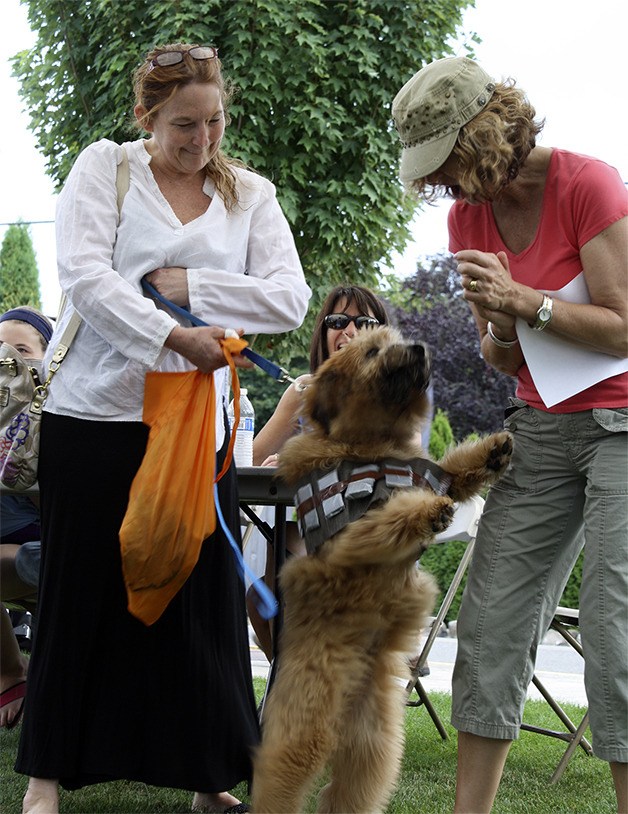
(108, 697)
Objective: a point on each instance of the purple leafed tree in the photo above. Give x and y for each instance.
(469, 391)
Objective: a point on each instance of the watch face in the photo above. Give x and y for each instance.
(544, 314)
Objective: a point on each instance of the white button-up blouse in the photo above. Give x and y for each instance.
(242, 271)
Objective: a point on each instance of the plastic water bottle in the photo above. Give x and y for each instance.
(243, 449)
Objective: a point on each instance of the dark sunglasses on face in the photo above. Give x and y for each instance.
(174, 57)
(338, 322)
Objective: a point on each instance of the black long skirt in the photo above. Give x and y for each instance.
(108, 697)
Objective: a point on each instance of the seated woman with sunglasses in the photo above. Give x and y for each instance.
(346, 310)
(170, 704)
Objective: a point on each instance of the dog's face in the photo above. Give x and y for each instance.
(375, 387)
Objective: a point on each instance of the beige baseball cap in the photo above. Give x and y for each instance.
(430, 109)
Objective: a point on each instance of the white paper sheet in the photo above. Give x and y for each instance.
(560, 368)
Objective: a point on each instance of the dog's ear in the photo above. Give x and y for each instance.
(324, 400)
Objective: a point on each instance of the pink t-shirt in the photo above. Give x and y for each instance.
(582, 197)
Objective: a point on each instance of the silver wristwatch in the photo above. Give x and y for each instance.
(544, 314)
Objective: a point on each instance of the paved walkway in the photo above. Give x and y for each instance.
(558, 667)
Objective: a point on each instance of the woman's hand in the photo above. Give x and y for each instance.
(281, 425)
(488, 286)
(172, 283)
(486, 279)
(201, 347)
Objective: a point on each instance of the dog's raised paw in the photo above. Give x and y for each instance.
(500, 453)
(442, 517)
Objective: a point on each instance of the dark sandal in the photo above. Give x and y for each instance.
(14, 693)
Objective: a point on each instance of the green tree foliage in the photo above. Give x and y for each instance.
(441, 561)
(316, 79)
(441, 436)
(571, 594)
(19, 275)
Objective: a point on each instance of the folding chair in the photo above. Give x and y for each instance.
(564, 620)
(464, 527)
(256, 534)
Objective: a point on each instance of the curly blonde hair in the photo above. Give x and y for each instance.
(154, 86)
(491, 148)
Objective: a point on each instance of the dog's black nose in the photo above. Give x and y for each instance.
(420, 351)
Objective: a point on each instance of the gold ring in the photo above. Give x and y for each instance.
(473, 285)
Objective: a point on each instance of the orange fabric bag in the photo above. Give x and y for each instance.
(171, 502)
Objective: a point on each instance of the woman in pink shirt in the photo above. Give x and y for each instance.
(541, 240)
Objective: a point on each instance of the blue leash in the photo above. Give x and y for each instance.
(267, 604)
(276, 372)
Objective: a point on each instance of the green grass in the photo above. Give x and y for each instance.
(426, 784)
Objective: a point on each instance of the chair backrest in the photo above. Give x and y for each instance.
(465, 523)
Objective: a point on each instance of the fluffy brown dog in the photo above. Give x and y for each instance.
(354, 608)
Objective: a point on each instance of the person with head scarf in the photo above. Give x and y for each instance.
(28, 331)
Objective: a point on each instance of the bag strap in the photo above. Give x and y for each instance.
(123, 179)
(66, 340)
(63, 346)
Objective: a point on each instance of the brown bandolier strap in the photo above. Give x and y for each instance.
(327, 500)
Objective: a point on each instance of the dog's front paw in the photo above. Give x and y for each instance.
(476, 464)
(500, 453)
(410, 519)
(443, 514)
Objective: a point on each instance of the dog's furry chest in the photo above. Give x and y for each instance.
(327, 500)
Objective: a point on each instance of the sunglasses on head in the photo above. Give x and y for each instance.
(338, 322)
(174, 57)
